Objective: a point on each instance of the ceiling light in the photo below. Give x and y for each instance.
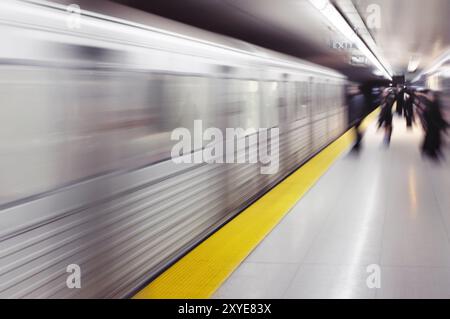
(377, 72)
(413, 64)
(443, 59)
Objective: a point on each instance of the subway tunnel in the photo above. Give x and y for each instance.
(232, 149)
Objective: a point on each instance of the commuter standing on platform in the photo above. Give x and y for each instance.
(434, 125)
(357, 110)
(385, 118)
(400, 101)
(409, 108)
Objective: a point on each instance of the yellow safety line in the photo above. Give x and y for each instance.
(202, 271)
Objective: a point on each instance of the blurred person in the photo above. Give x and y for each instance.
(385, 117)
(433, 123)
(409, 108)
(400, 97)
(357, 109)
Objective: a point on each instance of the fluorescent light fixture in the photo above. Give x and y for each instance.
(413, 64)
(337, 20)
(438, 64)
(377, 72)
(444, 58)
(445, 72)
(357, 22)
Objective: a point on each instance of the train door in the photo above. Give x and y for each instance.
(242, 112)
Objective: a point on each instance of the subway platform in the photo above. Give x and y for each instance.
(376, 224)
(386, 207)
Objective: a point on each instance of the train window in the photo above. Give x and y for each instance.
(339, 96)
(302, 101)
(306, 101)
(82, 123)
(333, 96)
(321, 98)
(341, 103)
(283, 102)
(291, 101)
(270, 103)
(186, 99)
(299, 100)
(313, 98)
(326, 96)
(89, 53)
(243, 104)
(336, 96)
(317, 98)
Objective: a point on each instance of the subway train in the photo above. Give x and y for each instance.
(88, 106)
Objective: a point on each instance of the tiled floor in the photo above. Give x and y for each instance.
(387, 207)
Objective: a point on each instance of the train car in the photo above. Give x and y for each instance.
(86, 118)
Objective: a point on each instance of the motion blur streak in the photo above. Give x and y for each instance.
(85, 122)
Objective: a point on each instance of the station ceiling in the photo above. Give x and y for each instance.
(405, 31)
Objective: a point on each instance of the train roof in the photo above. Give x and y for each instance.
(114, 12)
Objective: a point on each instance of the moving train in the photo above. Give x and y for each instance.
(87, 111)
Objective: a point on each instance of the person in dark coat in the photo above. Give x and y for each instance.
(400, 97)
(409, 108)
(385, 117)
(357, 109)
(434, 125)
